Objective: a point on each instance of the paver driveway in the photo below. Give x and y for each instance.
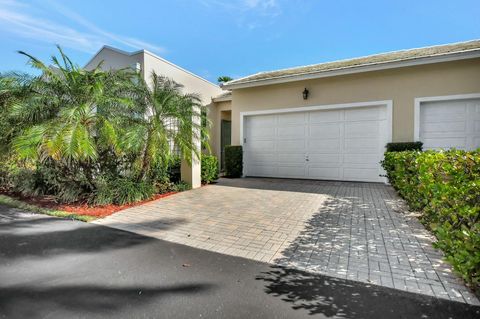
(357, 231)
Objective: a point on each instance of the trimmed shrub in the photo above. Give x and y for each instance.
(233, 161)
(209, 168)
(404, 146)
(445, 187)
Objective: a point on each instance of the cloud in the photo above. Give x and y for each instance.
(22, 20)
(249, 14)
(128, 41)
(244, 6)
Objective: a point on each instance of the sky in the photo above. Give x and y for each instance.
(233, 37)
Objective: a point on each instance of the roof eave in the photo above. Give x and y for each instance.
(356, 69)
(222, 99)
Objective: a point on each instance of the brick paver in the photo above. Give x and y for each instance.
(357, 231)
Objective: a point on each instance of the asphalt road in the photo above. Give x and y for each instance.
(56, 268)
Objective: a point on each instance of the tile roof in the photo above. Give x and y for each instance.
(396, 56)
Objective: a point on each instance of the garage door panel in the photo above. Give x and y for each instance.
(442, 118)
(292, 118)
(291, 145)
(362, 114)
(444, 127)
(262, 133)
(362, 145)
(325, 158)
(361, 129)
(261, 146)
(325, 116)
(262, 158)
(291, 131)
(327, 130)
(361, 159)
(290, 158)
(261, 121)
(324, 173)
(324, 145)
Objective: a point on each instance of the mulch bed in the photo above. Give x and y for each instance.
(79, 208)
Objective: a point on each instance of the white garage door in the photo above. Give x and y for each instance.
(450, 124)
(339, 144)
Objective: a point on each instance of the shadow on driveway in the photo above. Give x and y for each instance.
(339, 298)
(27, 301)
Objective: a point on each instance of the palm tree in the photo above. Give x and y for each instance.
(224, 79)
(13, 88)
(164, 116)
(63, 115)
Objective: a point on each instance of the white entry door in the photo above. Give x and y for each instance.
(336, 144)
(450, 124)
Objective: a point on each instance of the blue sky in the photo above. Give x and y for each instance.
(235, 37)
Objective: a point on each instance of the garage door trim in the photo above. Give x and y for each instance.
(387, 103)
(441, 98)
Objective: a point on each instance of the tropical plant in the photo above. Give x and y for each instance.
(162, 116)
(13, 88)
(80, 129)
(224, 79)
(209, 168)
(233, 160)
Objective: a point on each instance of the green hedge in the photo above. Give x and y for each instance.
(209, 168)
(445, 187)
(404, 146)
(233, 161)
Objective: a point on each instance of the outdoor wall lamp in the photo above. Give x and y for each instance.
(305, 94)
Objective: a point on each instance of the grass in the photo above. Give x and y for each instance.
(12, 202)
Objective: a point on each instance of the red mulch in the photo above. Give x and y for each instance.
(81, 209)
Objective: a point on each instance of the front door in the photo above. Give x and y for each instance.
(225, 139)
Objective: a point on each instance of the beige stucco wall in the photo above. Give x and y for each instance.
(113, 60)
(216, 113)
(401, 85)
(191, 82)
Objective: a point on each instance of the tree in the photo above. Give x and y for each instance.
(164, 115)
(224, 79)
(13, 88)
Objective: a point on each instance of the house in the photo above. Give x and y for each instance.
(145, 63)
(332, 120)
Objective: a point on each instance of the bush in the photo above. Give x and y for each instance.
(233, 161)
(122, 191)
(209, 168)
(181, 187)
(404, 146)
(174, 169)
(445, 187)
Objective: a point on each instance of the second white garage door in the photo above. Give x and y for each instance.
(337, 144)
(450, 124)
